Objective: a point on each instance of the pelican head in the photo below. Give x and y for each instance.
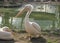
(29, 7)
(5, 28)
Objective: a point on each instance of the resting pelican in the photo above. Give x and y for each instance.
(32, 28)
(5, 33)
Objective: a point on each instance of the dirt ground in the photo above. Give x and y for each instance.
(19, 38)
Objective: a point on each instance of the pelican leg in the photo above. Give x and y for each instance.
(29, 36)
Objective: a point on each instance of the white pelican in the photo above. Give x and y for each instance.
(32, 28)
(5, 34)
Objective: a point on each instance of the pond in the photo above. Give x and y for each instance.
(45, 24)
(16, 22)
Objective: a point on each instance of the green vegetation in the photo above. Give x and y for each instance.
(11, 12)
(36, 15)
(43, 16)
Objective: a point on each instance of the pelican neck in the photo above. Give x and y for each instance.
(27, 15)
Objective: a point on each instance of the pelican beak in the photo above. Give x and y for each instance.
(21, 11)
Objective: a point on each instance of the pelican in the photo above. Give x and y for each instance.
(32, 28)
(5, 34)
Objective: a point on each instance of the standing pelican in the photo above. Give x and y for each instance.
(32, 28)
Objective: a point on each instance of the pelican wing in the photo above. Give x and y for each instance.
(36, 26)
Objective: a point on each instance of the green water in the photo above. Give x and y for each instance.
(44, 24)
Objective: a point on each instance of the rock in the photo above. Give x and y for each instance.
(38, 40)
(6, 41)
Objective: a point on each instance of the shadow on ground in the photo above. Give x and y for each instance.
(38, 40)
(6, 41)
